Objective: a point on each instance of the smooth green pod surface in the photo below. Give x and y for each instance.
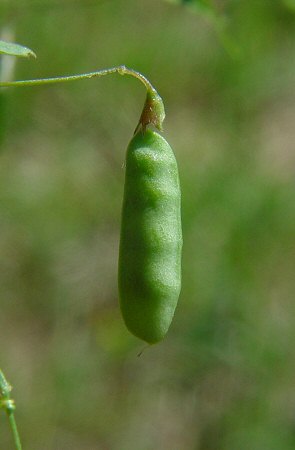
(151, 237)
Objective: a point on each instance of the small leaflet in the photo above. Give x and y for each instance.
(9, 48)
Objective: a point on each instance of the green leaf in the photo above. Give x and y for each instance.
(8, 48)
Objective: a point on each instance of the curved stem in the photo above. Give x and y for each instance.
(122, 70)
(153, 110)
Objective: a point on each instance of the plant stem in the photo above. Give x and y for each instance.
(153, 110)
(122, 70)
(14, 430)
(8, 404)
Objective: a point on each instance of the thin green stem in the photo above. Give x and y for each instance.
(8, 404)
(153, 110)
(122, 70)
(14, 430)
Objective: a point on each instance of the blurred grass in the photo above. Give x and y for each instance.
(224, 376)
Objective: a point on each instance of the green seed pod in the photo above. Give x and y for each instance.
(151, 238)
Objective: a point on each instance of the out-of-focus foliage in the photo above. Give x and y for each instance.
(224, 376)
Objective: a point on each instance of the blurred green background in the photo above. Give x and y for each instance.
(224, 377)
